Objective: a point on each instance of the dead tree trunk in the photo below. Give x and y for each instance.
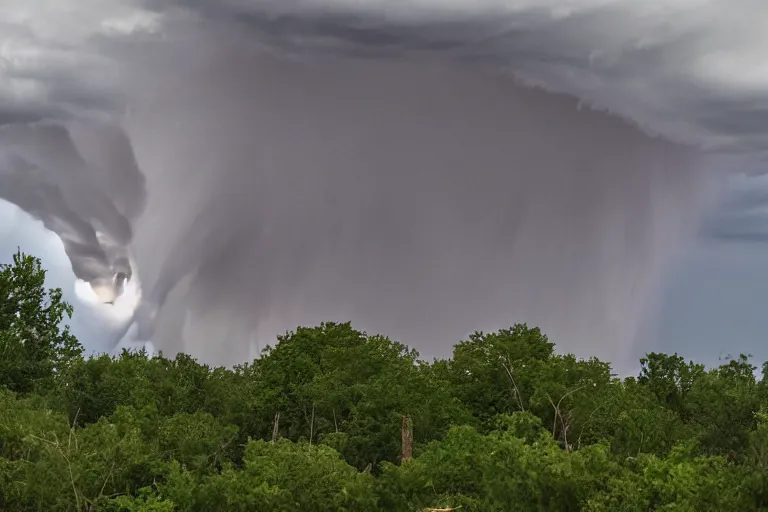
(407, 439)
(312, 424)
(276, 427)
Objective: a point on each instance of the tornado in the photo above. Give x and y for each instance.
(422, 171)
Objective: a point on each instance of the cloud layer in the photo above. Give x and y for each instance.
(264, 164)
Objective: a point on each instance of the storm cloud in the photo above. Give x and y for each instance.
(423, 170)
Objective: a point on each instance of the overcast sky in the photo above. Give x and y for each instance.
(713, 303)
(716, 297)
(19, 230)
(423, 168)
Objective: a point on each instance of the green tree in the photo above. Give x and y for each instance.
(496, 472)
(33, 342)
(680, 483)
(50, 465)
(628, 417)
(495, 373)
(340, 386)
(671, 379)
(276, 477)
(506, 424)
(723, 405)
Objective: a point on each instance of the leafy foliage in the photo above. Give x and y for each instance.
(32, 343)
(314, 424)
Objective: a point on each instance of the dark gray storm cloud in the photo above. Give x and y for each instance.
(88, 203)
(258, 165)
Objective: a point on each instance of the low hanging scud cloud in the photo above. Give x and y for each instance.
(422, 168)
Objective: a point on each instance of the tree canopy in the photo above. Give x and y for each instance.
(316, 424)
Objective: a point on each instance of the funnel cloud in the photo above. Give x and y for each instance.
(423, 172)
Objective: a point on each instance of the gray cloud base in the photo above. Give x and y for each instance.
(264, 171)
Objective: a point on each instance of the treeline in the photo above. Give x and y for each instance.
(506, 424)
